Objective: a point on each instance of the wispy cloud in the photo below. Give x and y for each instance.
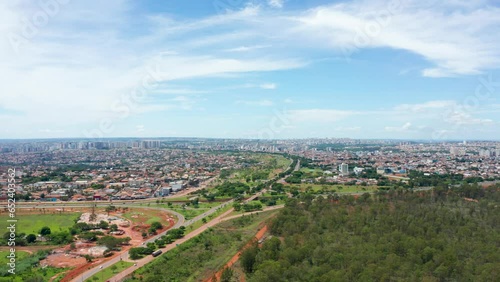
(426, 28)
(268, 86)
(431, 105)
(246, 48)
(261, 103)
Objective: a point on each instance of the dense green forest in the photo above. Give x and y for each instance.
(390, 236)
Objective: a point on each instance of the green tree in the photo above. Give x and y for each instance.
(247, 259)
(45, 231)
(226, 275)
(31, 238)
(89, 258)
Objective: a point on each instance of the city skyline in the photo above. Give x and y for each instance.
(409, 70)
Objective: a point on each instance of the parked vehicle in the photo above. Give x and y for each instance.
(156, 253)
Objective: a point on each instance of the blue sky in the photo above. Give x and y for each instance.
(250, 69)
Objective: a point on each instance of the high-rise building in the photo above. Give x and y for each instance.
(344, 169)
(148, 144)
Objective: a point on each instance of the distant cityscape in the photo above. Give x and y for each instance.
(137, 169)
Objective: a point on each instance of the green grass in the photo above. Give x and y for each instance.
(33, 223)
(189, 213)
(107, 273)
(199, 223)
(283, 162)
(19, 256)
(27, 268)
(150, 214)
(149, 221)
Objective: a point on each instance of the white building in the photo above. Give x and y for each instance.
(344, 169)
(358, 170)
(176, 186)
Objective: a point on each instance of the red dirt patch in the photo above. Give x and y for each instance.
(63, 260)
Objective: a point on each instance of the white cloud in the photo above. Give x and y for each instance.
(261, 103)
(455, 43)
(140, 128)
(268, 86)
(406, 127)
(183, 91)
(459, 117)
(431, 105)
(246, 48)
(453, 37)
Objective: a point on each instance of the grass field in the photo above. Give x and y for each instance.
(33, 223)
(147, 216)
(107, 273)
(19, 256)
(312, 172)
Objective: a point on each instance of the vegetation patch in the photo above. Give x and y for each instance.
(109, 272)
(28, 268)
(201, 256)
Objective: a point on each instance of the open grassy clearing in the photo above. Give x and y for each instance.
(19, 256)
(147, 216)
(32, 223)
(109, 272)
